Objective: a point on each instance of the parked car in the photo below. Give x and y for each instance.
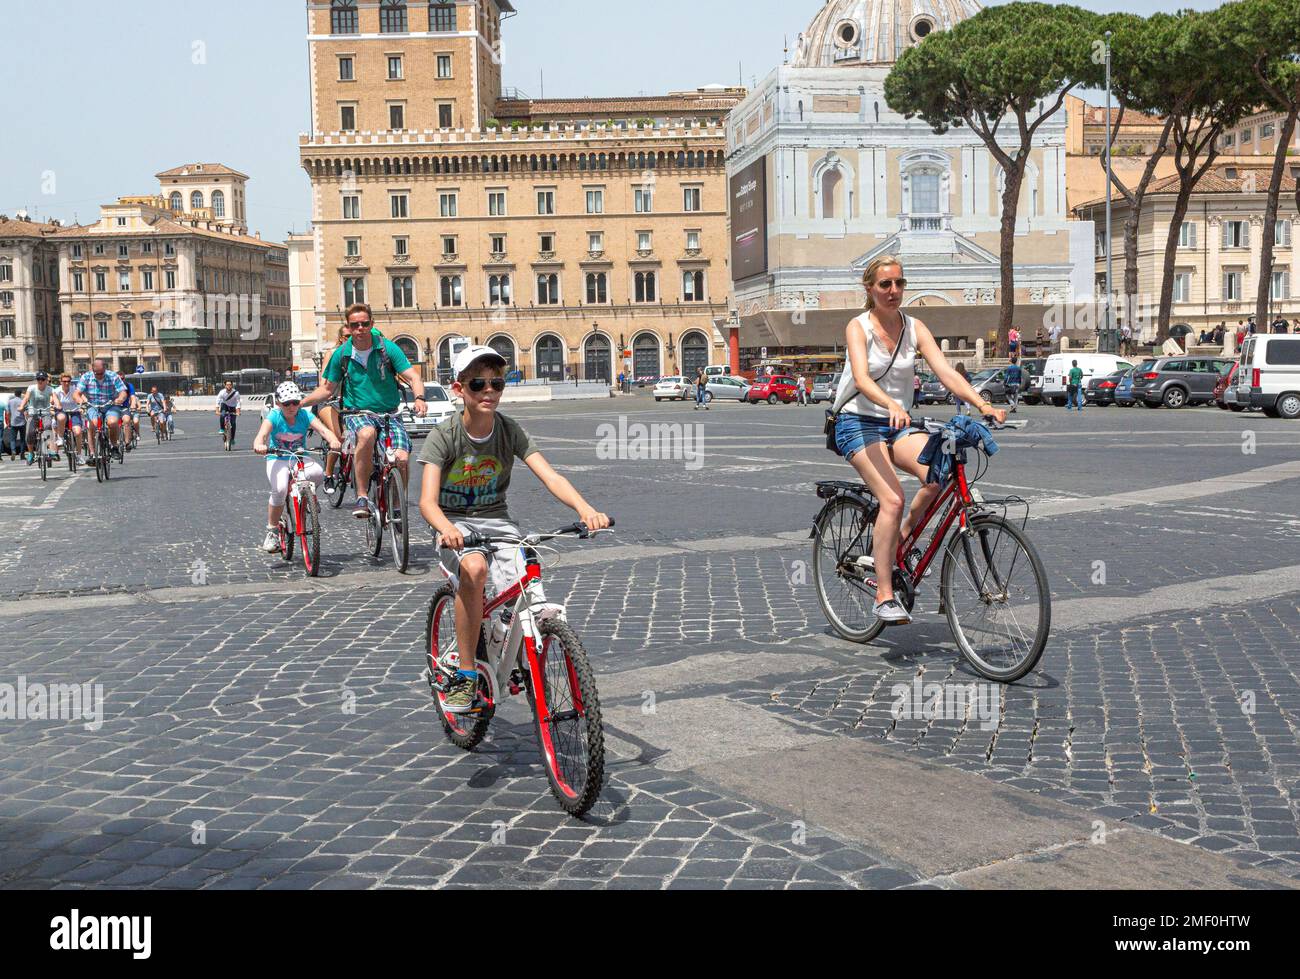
(933, 391)
(1227, 383)
(717, 370)
(1101, 390)
(1031, 388)
(773, 388)
(674, 389)
(1124, 397)
(825, 387)
(1176, 382)
(441, 410)
(1056, 372)
(1269, 377)
(990, 384)
(726, 388)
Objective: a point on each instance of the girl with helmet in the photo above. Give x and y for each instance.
(285, 431)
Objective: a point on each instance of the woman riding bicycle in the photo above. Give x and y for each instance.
(874, 429)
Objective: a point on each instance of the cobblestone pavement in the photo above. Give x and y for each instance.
(259, 732)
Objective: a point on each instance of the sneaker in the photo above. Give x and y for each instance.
(330, 485)
(58, 443)
(272, 542)
(891, 612)
(362, 510)
(915, 559)
(462, 696)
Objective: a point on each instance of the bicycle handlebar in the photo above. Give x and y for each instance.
(578, 530)
(935, 424)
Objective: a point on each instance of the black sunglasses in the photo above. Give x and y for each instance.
(359, 326)
(889, 283)
(480, 384)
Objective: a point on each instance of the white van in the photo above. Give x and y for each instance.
(1268, 374)
(1056, 372)
(717, 370)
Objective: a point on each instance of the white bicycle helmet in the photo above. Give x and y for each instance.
(288, 391)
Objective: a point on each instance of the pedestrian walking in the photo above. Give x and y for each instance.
(803, 389)
(701, 390)
(1074, 387)
(15, 427)
(1015, 376)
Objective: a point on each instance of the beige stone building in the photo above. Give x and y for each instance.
(1216, 275)
(210, 191)
(29, 296)
(1257, 135)
(564, 233)
(307, 333)
(168, 291)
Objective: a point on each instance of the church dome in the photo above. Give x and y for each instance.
(874, 32)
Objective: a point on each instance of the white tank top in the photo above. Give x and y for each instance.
(897, 383)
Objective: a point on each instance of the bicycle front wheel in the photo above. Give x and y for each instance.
(399, 531)
(311, 535)
(996, 598)
(374, 523)
(844, 540)
(43, 460)
(566, 715)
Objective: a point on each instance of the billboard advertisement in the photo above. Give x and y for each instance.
(749, 221)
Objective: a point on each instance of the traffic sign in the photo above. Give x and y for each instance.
(139, 368)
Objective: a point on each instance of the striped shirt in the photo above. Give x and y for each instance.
(101, 393)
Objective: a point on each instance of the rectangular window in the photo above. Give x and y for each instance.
(102, 329)
(121, 222)
(449, 204)
(76, 251)
(401, 205)
(351, 207)
(1182, 287)
(78, 282)
(9, 354)
(147, 247)
(498, 290)
(147, 275)
(347, 71)
(7, 330)
(1266, 130)
(6, 273)
(99, 248)
(448, 245)
(397, 117)
(445, 115)
(1247, 135)
(150, 331)
(692, 241)
(101, 283)
(170, 276)
(126, 329)
(169, 249)
(124, 282)
(643, 200)
(1236, 234)
(392, 17)
(123, 251)
(401, 247)
(595, 202)
(546, 202)
(347, 118)
(354, 291)
(1232, 286)
(352, 247)
(343, 19)
(403, 292)
(1282, 353)
(1282, 234)
(498, 244)
(1187, 234)
(546, 243)
(691, 198)
(444, 66)
(596, 242)
(394, 67)
(644, 241)
(81, 329)
(452, 291)
(1281, 285)
(442, 17)
(496, 203)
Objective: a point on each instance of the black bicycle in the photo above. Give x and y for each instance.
(387, 495)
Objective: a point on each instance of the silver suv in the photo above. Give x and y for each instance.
(1176, 382)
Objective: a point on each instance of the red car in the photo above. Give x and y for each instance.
(1228, 380)
(773, 389)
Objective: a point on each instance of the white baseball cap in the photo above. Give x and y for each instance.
(468, 358)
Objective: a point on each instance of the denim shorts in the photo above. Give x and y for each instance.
(853, 433)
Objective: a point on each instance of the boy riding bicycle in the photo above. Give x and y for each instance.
(468, 465)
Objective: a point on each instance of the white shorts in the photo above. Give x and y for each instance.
(279, 473)
(505, 566)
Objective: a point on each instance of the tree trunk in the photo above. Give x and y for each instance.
(1270, 222)
(1010, 205)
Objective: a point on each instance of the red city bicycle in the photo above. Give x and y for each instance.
(387, 492)
(526, 646)
(301, 518)
(992, 588)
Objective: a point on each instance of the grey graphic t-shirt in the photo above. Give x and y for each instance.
(476, 475)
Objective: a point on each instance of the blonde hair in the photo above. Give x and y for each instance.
(873, 271)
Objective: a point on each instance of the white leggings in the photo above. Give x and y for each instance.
(279, 472)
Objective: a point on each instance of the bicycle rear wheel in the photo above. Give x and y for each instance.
(997, 599)
(375, 522)
(43, 459)
(844, 537)
(442, 652)
(566, 717)
(311, 535)
(70, 446)
(343, 477)
(399, 530)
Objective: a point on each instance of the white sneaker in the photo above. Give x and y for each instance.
(272, 543)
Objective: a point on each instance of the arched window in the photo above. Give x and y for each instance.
(646, 283)
(410, 348)
(218, 204)
(196, 200)
(392, 17)
(831, 181)
(548, 352)
(343, 17)
(506, 348)
(177, 201)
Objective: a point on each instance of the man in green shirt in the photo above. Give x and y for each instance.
(368, 367)
(1074, 388)
(467, 468)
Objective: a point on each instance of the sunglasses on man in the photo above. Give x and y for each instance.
(480, 384)
(360, 326)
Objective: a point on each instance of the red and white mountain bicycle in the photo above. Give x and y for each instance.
(525, 646)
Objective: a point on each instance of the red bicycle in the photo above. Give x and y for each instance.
(992, 589)
(301, 517)
(387, 491)
(525, 646)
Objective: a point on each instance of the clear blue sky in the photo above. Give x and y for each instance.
(104, 95)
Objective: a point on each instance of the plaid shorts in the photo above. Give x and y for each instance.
(401, 441)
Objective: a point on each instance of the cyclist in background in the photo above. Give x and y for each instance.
(36, 405)
(131, 417)
(169, 410)
(227, 407)
(156, 405)
(873, 432)
(67, 414)
(103, 392)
